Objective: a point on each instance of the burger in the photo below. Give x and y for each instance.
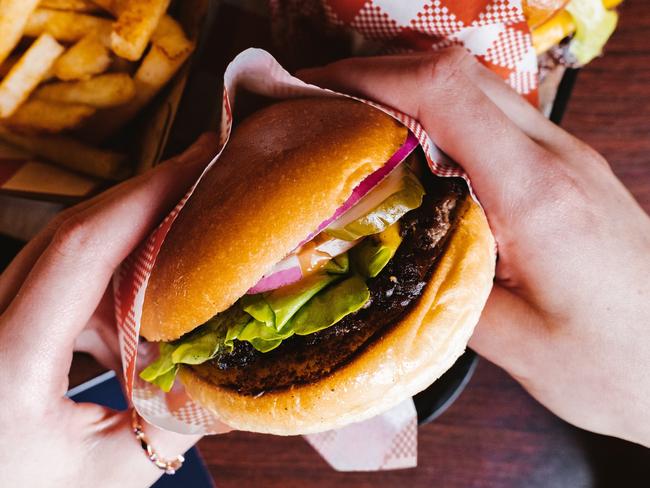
(576, 29)
(319, 274)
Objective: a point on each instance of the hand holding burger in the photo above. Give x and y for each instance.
(568, 314)
(55, 298)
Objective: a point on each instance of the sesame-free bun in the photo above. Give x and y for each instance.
(403, 361)
(286, 169)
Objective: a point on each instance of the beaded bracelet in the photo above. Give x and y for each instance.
(169, 466)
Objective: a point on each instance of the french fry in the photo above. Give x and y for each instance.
(114, 7)
(170, 37)
(156, 69)
(86, 58)
(99, 90)
(67, 26)
(8, 63)
(13, 59)
(13, 18)
(72, 154)
(169, 50)
(121, 65)
(135, 25)
(102, 91)
(71, 5)
(47, 116)
(30, 69)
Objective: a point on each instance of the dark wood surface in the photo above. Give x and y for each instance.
(495, 435)
(610, 105)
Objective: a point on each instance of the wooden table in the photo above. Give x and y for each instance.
(495, 435)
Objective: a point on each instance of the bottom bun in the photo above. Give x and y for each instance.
(403, 361)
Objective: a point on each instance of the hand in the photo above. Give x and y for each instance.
(50, 299)
(569, 315)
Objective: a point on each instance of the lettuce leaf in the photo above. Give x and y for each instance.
(594, 25)
(166, 381)
(261, 336)
(330, 306)
(162, 372)
(320, 311)
(272, 311)
(385, 214)
(285, 302)
(374, 252)
(196, 347)
(263, 320)
(338, 265)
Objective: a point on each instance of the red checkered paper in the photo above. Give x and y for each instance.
(258, 72)
(495, 31)
(387, 441)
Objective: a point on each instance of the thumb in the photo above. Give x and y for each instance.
(118, 456)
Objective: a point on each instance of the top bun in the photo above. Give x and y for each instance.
(286, 169)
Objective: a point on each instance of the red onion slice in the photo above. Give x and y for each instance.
(288, 270)
(334, 246)
(284, 273)
(294, 267)
(369, 183)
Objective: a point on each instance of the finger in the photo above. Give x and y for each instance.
(509, 333)
(526, 116)
(114, 455)
(522, 113)
(68, 280)
(13, 276)
(99, 337)
(133, 462)
(460, 117)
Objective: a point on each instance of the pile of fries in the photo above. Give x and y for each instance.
(74, 72)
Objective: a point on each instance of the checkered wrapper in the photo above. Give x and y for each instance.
(394, 434)
(495, 31)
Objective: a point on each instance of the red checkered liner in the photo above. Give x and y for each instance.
(495, 31)
(388, 441)
(258, 72)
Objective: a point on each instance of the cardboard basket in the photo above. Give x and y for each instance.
(144, 139)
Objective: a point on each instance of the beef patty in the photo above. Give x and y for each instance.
(303, 359)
